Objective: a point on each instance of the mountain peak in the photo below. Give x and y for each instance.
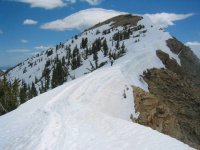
(121, 20)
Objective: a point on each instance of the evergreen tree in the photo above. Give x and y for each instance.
(15, 92)
(33, 89)
(59, 75)
(22, 95)
(76, 58)
(46, 76)
(63, 61)
(9, 95)
(117, 45)
(84, 43)
(123, 49)
(105, 47)
(95, 54)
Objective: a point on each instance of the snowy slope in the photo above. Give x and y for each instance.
(88, 113)
(140, 46)
(92, 112)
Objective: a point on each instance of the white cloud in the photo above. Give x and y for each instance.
(1, 32)
(82, 19)
(93, 2)
(47, 4)
(24, 41)
(21, 50)
(51, 4)
(166, 19)
(41, 48)
(195, 46)
(195, 43)
(30, 22)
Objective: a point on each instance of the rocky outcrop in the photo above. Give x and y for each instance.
(190, 64)
(153, 113)
(171, 64)
(172, 105)
(120, 20)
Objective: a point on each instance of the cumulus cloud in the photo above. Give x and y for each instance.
(30, 22)
(82, 19)
(51, 4)
(167, 19)
(41, 48)
(21, 50)
(195, 46)
(46, 4)
(24, 41)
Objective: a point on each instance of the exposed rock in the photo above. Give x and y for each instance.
(190, 63)
(120, 20)
(153, 113)
(172, 105)
(171, 64)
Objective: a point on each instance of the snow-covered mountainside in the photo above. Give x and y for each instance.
(140, 37)
(97, 109)
(90, 113)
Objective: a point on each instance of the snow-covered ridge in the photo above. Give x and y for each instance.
(91, 113)
(94, 111)
(141, 47)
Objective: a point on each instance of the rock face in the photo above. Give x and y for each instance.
(190, 64)
(172, 105)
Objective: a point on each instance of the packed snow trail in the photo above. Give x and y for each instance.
(89, 113)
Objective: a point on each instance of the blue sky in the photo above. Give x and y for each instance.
(20, 39)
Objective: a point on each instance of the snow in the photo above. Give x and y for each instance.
(195, 49)
(141, 54)
(92, 112)
(87, 113)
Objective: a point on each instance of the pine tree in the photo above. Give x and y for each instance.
(117, 45)
(84, 43)
(105, 47)
(95, 54)
(59, 75)
(76, 58)
(22, 95)
(15, 91)
(46, 76)
(33, 89)
(123, 49)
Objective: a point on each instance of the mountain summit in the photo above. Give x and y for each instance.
(125, 71)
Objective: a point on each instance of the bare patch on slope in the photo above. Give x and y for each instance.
(120, 20)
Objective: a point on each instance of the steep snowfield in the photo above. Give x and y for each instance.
(89, 113)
